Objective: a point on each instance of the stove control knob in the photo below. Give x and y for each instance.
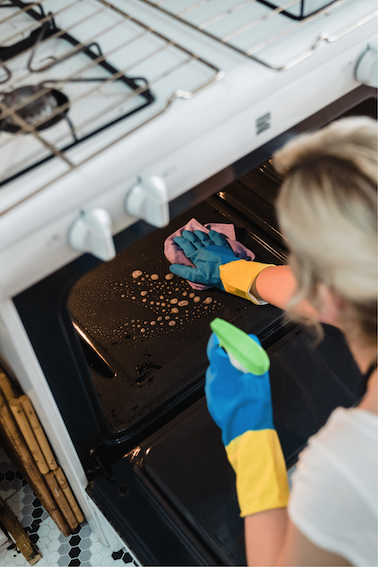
(148, 200)
(366, 71)
(91, 232)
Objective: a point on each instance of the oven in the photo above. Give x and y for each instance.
(120, 121)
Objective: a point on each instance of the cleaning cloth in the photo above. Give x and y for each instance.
(175, 255)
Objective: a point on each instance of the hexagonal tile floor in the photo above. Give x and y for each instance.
(10, 478)
(81, 548)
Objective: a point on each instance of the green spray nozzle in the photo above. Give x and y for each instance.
(244, 353)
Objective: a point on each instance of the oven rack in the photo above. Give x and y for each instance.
(230, 36)
(40, 16)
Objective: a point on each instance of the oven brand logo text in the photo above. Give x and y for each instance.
(263, 123)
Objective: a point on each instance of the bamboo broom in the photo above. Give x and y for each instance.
(62, 481)
(7, 387)
(39, 446)
(38, 432)
(61, 500)
(23, 423)
(33, 476)
(45, 447)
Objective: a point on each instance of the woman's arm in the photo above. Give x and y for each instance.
(272, 539)
(276, 285)
(265, 535)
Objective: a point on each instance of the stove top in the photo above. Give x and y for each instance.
(100, 99)
(60, 90)
(69, 71)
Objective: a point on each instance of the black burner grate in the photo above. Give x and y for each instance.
(298, 9)
(23, 110)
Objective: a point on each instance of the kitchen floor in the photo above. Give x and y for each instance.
(81, 548)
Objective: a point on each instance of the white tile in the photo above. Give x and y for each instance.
(96, 559)
(43, 562)
(3, 538)
(8, 556)
(52, 559)
(7, 562)
(53, 545)
(20, 560)
(96, 547)
(107, 561)
(43, 542)
(54, 533)
(106, 551)
(44, 529)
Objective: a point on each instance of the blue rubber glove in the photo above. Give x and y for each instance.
(236, 401)
(241, 406)
(207, 252)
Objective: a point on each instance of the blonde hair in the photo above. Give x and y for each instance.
(327, 209)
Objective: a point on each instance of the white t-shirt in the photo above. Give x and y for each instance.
(334, 495)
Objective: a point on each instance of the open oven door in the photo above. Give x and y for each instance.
(171, 495)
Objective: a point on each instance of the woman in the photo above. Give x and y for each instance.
(327, 210)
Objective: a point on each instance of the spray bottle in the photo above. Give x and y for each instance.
(243, 352)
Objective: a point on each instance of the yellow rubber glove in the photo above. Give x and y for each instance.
(238, 278)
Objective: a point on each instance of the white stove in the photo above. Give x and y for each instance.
(126, 105)
(110, 110)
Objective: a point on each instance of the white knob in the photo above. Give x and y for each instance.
(92, 232)
(148, 200)
(366, 71)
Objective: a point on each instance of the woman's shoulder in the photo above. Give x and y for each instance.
(347, 445)
(347, 428)
(340, 458)
(334, 494)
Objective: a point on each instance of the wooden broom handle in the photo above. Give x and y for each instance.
(61, 500)
(60, 477)
(14, 528)
(23, 424)
(34, 477)
(7, 387)
(38, 432)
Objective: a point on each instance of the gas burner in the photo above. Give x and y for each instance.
(41, 112)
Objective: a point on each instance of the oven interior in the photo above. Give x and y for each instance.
(128, 377)
(144, 330)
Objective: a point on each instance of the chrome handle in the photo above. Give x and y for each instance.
(352, 27)
(323, 37)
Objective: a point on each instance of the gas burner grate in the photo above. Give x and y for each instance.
(65, 75)
(300, 9)
(254, 27)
